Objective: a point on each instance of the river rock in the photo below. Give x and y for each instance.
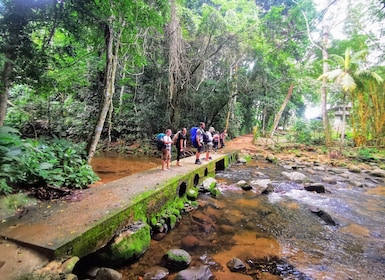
(329, 180)
(270, 158)
(242, 160)
(356, 183)
(209, 184)
(69, 265)
(244, 185)
(236, 265)
(202, 272)
(108, 274)
(324, 216)
(336, 170)
(315, 187)
(176, 259)
(319, 168)
(354, 169)
(261, 185)
(129, 244)
(156, 273)
(189, 242)
(295, 176)
(378, 172)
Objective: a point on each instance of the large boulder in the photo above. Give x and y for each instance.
(176, 259)
(128, 245)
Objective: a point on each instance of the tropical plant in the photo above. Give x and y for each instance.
(28, 163)
(351, 73)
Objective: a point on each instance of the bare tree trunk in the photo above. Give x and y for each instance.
(325, 69)
(109, 86)
(279, 114)
(178, 72)
(4, 93)
(343, 128)
(123, 87)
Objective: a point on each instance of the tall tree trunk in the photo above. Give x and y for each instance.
(325, 118)
(178, 72)
(343, 127)
(279, 114)
(4, 91)
(109, 84)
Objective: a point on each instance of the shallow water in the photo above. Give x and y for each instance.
(112, 166)
(280, 230)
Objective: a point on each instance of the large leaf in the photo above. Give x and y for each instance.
(347, 82)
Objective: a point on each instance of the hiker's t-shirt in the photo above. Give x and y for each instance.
(181, 137)
(200, 133)
(167, 139)
(209, 138)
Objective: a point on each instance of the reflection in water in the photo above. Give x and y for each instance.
(280, 229)
(112, 166)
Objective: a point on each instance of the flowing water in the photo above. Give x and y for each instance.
(276, 235)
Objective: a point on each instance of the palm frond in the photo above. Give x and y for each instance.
(347, 82)
(337, 59)
(331, 75)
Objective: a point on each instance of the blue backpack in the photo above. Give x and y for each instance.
(193, 136)
(159, 141)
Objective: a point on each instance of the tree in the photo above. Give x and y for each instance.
(19, 53)
(123, 21)
(350, 72)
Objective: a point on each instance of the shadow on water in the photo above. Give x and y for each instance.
(276, 235)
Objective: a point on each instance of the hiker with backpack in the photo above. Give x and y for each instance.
(223, 138)
(197, 140)
(208, 142)
(179, 140)
(166, 150)
(216, 137)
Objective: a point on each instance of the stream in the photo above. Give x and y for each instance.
(277, 235)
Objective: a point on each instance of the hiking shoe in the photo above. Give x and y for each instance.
(198, 162)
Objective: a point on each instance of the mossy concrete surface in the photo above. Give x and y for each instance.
(76, 228)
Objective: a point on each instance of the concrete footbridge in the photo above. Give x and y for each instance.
(85, 223)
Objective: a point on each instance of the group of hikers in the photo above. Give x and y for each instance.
(203, 141)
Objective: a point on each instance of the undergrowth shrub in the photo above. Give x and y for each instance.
(57, 163)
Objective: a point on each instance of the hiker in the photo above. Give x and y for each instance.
(216, 141)
(180, 144)
(223, 138)
(199, 139)
(166, 150)
(209, 142)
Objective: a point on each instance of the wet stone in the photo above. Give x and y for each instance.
(202, 273)
(108, 274)
(324, 216)
(236, 265)
(176, 259)
(156, 273)
(378, 173)
(315, 187)
(190, 242)
(329, 180)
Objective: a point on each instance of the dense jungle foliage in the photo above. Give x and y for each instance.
(96, 71)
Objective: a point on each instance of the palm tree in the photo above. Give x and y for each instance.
(352, 70)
